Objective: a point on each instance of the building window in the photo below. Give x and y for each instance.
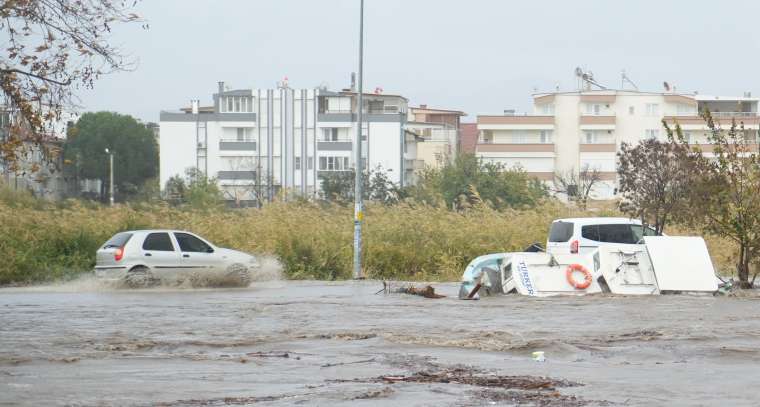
(590, 137)
(631, 110)
(547, 109)
(333, 164)
(546, 136)
(519, 137)
(687, 136)
(653, 134)
(311, 163)
(330, 134)
(297, 163)
(653, 109)
(244, 134)
(236, 104)
(593, 109)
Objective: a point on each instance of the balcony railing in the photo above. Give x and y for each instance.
(733, 114)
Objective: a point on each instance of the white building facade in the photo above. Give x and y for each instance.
(568, 131)
(258, 143)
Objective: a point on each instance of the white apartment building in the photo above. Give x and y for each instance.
(570, 130)
(258, 142)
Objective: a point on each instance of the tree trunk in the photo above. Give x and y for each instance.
(743, 267)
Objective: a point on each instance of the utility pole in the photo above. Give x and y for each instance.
(110, 181)
(359, 165)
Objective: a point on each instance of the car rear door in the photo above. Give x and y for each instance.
(196, 253)
(159, 253)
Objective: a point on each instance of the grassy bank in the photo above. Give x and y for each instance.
(411, 242)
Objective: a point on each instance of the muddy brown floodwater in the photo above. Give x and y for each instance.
(318, 343)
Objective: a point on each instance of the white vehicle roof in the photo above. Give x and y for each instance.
(600, 220)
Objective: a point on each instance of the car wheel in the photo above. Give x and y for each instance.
(239, 274)
(140, 277)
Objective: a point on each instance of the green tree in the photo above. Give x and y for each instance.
(725, 190)
(339, 186)
(134, 150)
(467, 180)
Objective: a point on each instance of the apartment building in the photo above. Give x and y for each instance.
(258, 142)
(567, 131)
(438, 131)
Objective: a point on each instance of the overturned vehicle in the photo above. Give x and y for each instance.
(653, 265)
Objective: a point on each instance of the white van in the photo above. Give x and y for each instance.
(583, 235)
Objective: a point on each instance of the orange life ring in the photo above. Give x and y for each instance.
(571, 269)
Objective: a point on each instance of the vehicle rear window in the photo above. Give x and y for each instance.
(614, 233)
(118, 240)
(158, 242)
(561, 231)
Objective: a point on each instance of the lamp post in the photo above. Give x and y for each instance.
(359, 165)
(110, 174)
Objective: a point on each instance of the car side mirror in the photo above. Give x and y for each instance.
(210, 250)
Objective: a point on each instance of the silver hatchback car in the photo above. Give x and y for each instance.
(143, 257)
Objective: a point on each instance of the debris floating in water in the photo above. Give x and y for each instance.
(426, 291)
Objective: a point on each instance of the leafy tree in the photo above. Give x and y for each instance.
(134, 150)
(467, 179)
(725, 190)
(577, 185)
(51, 49)
(655, 179)
(195, 190)
(339, 186)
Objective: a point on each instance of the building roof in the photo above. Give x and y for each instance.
(710, 98)
(424, 108)
(611, 92)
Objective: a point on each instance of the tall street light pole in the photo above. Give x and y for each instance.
(359, 165)
(110, 172)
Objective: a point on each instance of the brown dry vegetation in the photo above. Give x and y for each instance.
(42, 242)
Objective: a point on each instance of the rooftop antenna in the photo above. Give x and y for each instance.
(586, 80)
(625, 79)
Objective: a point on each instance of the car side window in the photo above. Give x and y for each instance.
(160, 242)
(190, 243)
(590, 232)
(649, 231)
(616, 233)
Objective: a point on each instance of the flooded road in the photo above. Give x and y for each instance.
(317, 343)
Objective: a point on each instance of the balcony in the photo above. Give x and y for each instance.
(515, 122)
(486, 147)
(237, 145)
(597, 147)
(414, 165)
(723, 119)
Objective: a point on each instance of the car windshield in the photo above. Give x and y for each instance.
(118, 240)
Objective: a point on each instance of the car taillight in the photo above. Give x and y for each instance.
(574, 246)
(118, 254)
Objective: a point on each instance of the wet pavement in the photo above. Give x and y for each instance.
(318, 343)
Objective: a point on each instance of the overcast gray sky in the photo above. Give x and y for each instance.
(479, 56)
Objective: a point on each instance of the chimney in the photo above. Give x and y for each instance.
(353, 81)
(509, 112)
(221, 87)
(423, 106)
(194, 103)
